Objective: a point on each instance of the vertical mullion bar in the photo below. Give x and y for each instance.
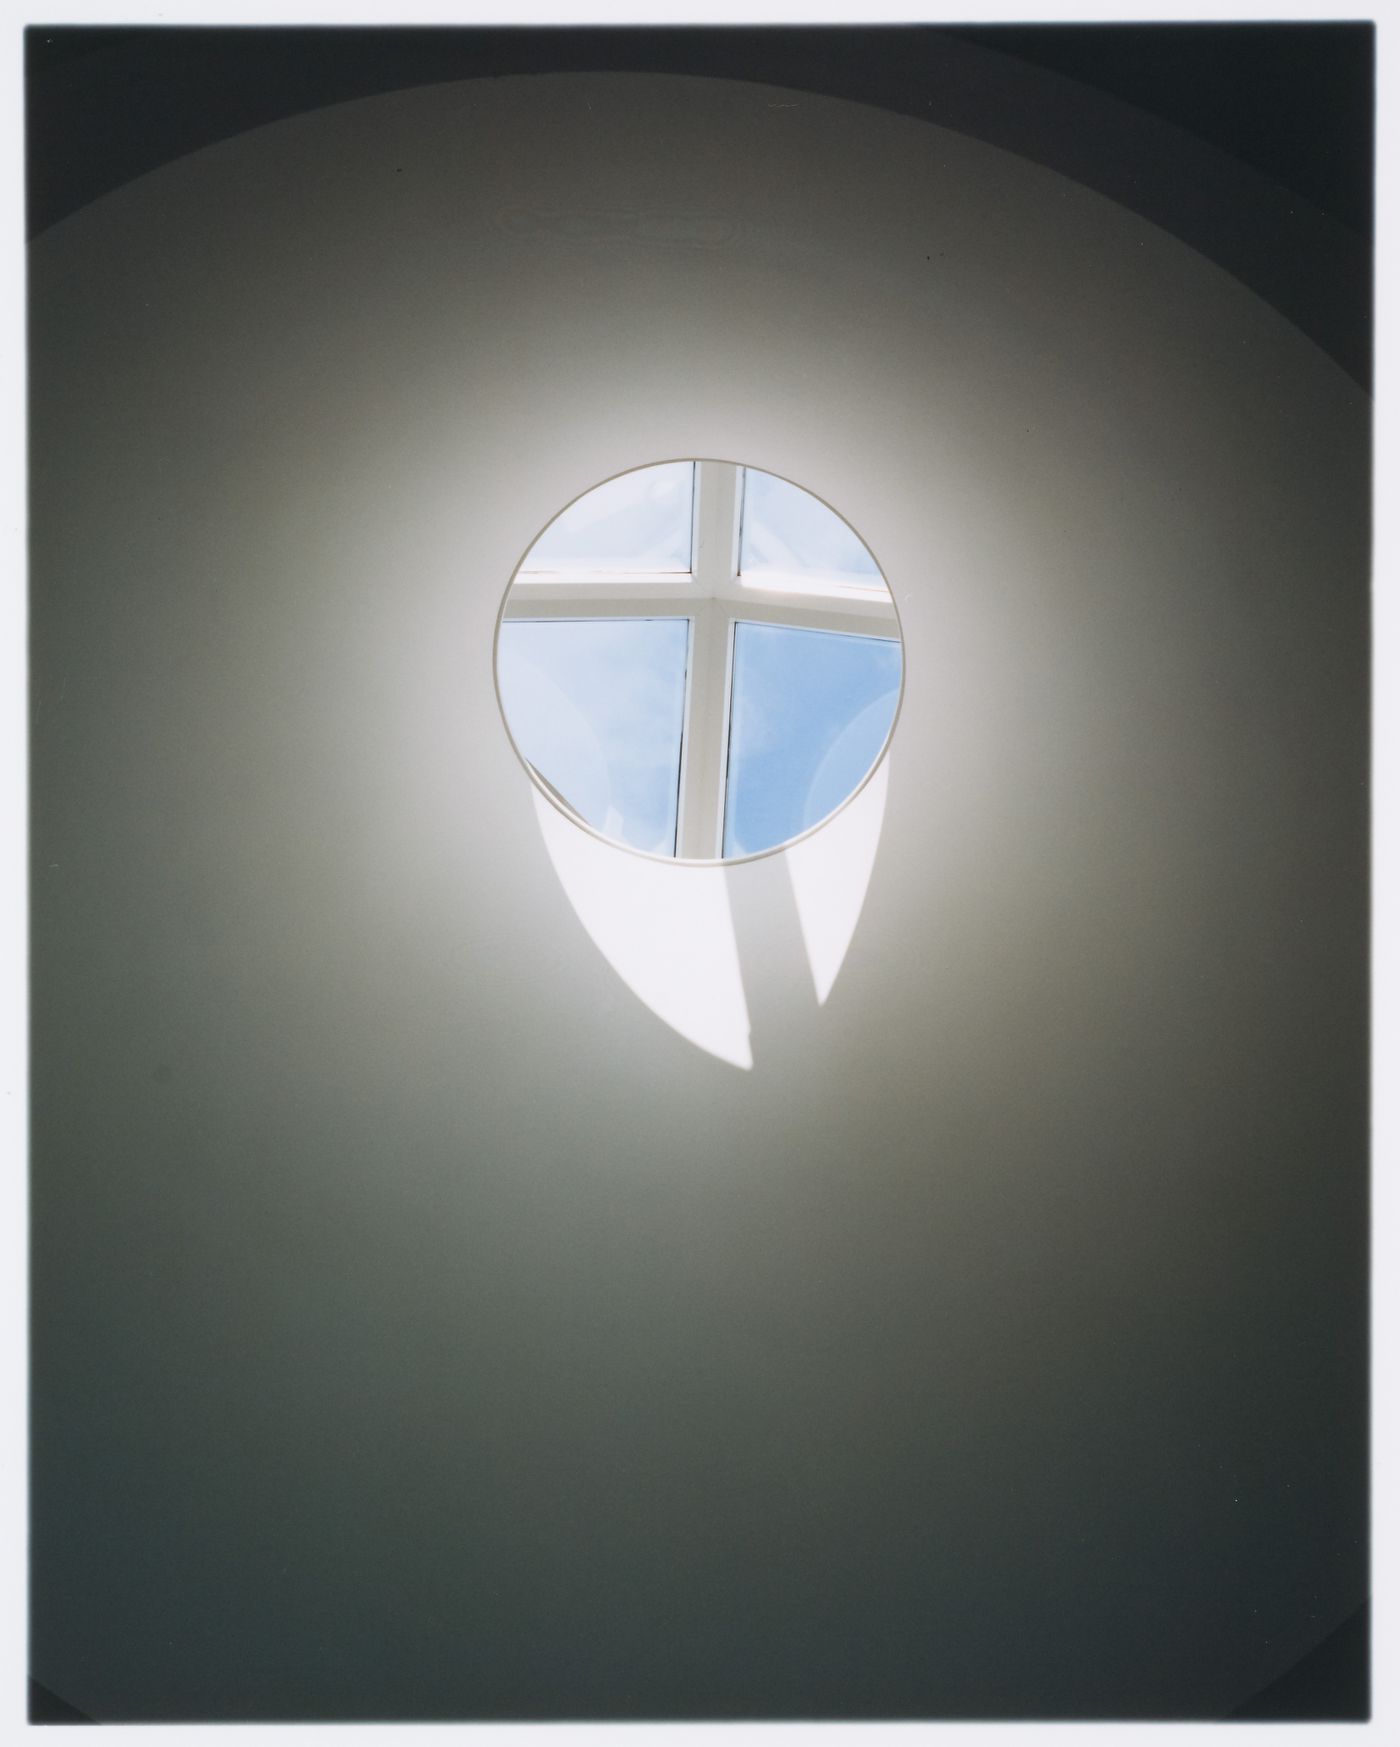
(707, 690)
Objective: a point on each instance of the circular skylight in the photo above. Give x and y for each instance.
(699, 660)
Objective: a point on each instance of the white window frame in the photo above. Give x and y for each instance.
(714, 597)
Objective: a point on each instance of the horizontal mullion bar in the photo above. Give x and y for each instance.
(866, 603)
(604, 582)
(813, 618)
(602, 607)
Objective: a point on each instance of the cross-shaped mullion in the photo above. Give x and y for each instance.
(714, 597)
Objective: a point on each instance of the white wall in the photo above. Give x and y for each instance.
(421, 1327)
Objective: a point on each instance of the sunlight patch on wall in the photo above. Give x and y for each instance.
(830, 873)
(665, 929)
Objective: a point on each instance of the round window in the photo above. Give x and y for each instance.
(699, 660)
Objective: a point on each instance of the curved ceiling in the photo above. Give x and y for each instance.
(422, 1328)
(1251, 143)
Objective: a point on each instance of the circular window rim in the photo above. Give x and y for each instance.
(561, 805)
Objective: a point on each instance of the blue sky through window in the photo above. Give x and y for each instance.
(596, 706)
(612, 669)
(788, 532)
(810, 711)
(639, 522)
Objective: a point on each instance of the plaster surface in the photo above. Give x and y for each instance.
(421, 1327)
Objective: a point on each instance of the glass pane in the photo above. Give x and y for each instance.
(596, 706)
(809, 713)
(788, 532)
(640, 522)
